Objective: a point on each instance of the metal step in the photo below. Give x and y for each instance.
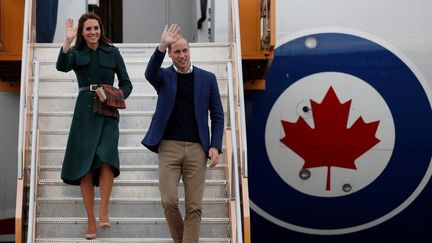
(48, 86)
(143, 52)
(127, 189)
(131, 227)
(132, 172)
(137, 156)
(125, 207)
(134, 69)
(117, 182)
(69, 85)
(130, 140)
(66, 102)
(126, 240)
(135, 102)
(58, 138)
(128, 119)
(62, 119)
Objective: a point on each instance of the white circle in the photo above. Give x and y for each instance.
(366, 103)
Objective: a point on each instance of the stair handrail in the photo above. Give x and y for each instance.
(23, 125)
(23, 87)
(35, 118)
(240, 100)
(235, 164)
(240, 124)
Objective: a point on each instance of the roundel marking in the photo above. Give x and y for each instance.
(360, 69)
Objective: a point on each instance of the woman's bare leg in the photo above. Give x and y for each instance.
(106, 183)
(87, 192)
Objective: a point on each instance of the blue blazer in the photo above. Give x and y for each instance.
(206, 98)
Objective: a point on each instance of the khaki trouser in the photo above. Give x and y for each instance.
(186, 159)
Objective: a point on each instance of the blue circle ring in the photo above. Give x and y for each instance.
(409, 168)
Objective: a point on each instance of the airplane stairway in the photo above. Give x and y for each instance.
(135, 210)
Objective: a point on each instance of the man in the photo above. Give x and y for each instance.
(179, 131)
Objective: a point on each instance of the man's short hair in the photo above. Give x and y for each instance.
(179, 37)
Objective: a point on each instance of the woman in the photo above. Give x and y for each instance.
(91, 157)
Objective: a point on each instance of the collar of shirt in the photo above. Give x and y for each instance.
(188, 71)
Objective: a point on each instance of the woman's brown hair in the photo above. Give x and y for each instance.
(80, 42)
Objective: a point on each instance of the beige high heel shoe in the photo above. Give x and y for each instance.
(90, 236)
(104, 225)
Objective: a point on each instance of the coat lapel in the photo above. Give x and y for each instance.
(197, 86)
(172, 81)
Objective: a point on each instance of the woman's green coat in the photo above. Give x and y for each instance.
(93, 139)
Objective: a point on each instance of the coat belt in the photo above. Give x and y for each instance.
(91, 87)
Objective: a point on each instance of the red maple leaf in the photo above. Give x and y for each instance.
(330, 143)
